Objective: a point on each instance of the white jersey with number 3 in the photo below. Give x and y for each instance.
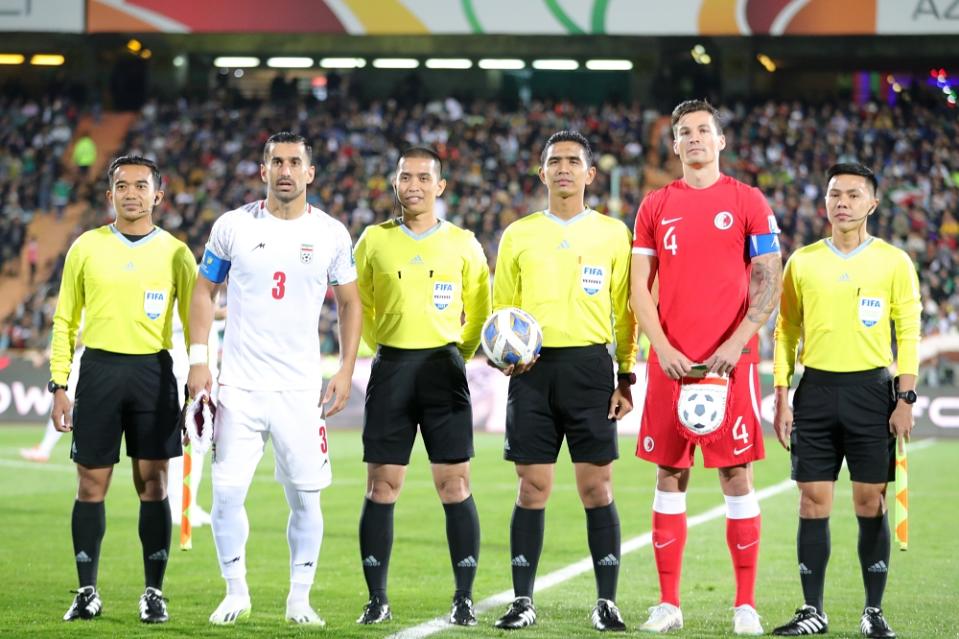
(278, 275)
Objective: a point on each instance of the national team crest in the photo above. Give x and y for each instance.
(306, 253)
(442, 295)
(592, 279)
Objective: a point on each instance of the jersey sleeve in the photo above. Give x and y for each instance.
(788, 326)
(364, 282)
(66, 318)
(184, 273)
(343, 265)
(506, 279)
(760, 219)
(476, 296)
(624, 322)
(906, 311)
(218, 253)
(644, 237)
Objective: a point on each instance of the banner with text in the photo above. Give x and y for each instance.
(536, 17)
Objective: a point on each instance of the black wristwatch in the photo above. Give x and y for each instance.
(908, 396)
(629, 378)
(53, 387)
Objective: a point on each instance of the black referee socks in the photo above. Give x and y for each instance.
(526, 530)
(602, 529)
(463, 537)
(813, 547)
(874, 545)
(89, 523)
(156, 525)
(376, 545)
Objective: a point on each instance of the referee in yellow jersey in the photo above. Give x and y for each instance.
(125, 279)
(839, 296)
(568, 266)
(424, 285)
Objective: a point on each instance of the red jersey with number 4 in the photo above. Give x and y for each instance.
(700, 238)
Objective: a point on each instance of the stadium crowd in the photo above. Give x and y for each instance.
(209, 155)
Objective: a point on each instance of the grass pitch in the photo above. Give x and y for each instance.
(37, 569)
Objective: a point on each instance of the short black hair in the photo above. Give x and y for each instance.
(134, 160)
(423, 152)
(284, 137)
(567, 135)
(853, 168)
(692, 106)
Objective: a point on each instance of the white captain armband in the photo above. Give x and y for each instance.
(763, 244)
(214, 268)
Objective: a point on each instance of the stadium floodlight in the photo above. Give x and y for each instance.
(609, 65)
(289, 62)
(236, 62)
(505, 64)
(449, 63)
(342, 63)
(555, 65)
(47, 59)
(396, 63)
(12, 58)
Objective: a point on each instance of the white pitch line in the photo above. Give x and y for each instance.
(557, 577)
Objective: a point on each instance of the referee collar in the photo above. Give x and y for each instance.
(575, 218)
(856, 251)
(420, 236)
(140, 242)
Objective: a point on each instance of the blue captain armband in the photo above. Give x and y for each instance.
(763, 244)
(213, 268)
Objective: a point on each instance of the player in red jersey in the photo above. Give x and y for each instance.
(713, 243)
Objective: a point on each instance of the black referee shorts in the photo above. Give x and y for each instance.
(118, 394)
(567, 394)
(410, 387)
(843, 415)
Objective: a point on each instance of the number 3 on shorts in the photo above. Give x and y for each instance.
(323, 445)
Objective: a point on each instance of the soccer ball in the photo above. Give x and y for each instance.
(511, 336)
(700, 409)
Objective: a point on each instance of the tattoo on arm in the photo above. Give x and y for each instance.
(765, 287)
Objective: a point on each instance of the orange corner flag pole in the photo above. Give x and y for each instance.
(186, 532)
(902, 498)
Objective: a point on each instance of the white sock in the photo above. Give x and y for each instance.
(304, 533)
(50, 438)
(230, 531)
(669, 503)
(742, 506)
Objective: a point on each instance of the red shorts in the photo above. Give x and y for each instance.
(661, 442)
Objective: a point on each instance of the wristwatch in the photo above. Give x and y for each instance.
(53, 387)
(629, 378)
(908, 396)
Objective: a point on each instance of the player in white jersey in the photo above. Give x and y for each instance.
(280, 254)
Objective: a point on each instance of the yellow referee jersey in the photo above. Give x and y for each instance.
(417, 289)
(127, 291)
(573, 277)
(841, 306)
